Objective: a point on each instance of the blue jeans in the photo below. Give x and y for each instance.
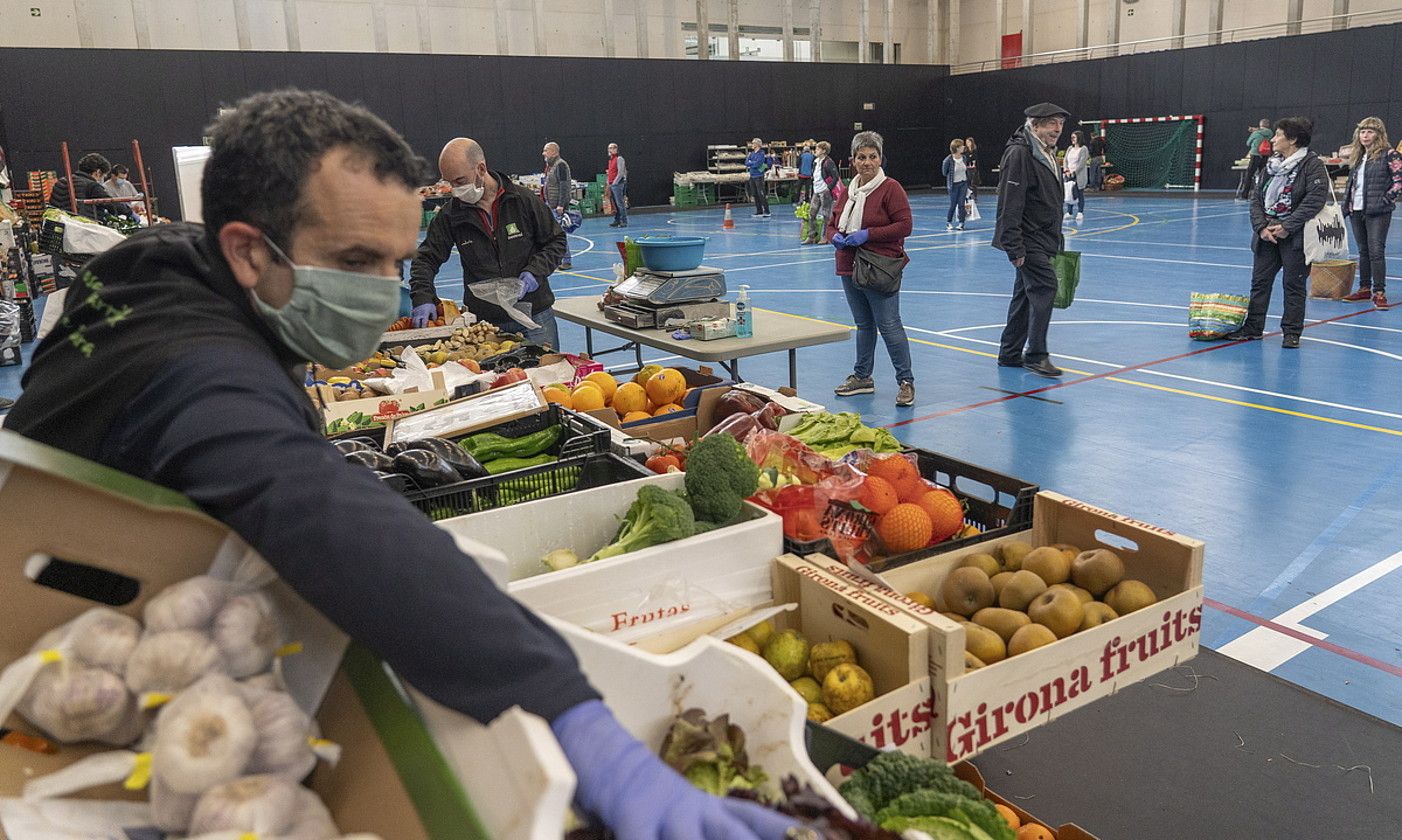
(877, 313)
(958, 194)
(618, 190)
(548, 333)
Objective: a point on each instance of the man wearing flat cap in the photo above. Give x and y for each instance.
(1028, 230)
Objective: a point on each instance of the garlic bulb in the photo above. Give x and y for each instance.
(170, 811)
(72, 703)
(284, 730)
(248, 633)
(266, 805)
(204, 737)
(311, 820)
(188, 605)
(104, 639)
(171, 660)
(266, 681)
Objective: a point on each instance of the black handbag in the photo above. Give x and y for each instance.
(877, 273)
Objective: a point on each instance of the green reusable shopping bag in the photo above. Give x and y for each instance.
(1067, 265)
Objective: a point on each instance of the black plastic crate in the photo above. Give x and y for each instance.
(998, 504)
(567, 475)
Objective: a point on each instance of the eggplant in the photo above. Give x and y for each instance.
(466, 465)
(402, 446)
(349, 445)
(427, 469)
(374, 460)
(397, 482)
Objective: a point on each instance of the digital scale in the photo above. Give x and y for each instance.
(669, 298)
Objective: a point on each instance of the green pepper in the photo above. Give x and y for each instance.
(489, 446)
(502, 465)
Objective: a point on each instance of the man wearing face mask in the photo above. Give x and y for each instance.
(509, 243)
(181, 362)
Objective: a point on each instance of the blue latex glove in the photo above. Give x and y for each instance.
(839, 240)
(528, 283)
(622, 783)
(423, 313)
(858, 239)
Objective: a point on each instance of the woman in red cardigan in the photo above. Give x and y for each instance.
(872, 213)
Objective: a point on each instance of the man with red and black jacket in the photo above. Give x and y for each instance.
(508, 241)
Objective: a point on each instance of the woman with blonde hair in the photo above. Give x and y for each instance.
(1374, 184)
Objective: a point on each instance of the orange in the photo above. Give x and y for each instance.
(558, 394)
(945, 511)
(894, 468)
(877, 495)
(629, 397)
(665, 386)
(906, 527)
(1033, 831)
(634, 416)
(666, 409)
(588, 397)
(606, 383)
(1014, 822)
(912, 488)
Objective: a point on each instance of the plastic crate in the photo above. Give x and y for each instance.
(997, 504)
(567, 475)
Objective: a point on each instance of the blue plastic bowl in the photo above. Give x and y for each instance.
(672, 253)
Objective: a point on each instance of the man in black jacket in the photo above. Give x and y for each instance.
(507, 239)
(87, 184)
(1028, 230)
(181, 363)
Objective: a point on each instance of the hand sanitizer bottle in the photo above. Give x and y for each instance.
(743, 326)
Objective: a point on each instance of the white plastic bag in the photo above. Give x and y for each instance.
(971, 213)
(84, 237)
(1070, 192)
(505, 292)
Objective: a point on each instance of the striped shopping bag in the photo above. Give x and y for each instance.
(1211, 315)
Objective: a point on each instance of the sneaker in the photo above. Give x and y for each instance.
(1066, 218)
(613, 224)
(1290, 342)
(1380, 300)
(906, 395)
(960, 227)
(1241, 335)
(1080, 217)
(566, 265)
(1043, 368)
(949, 226)
(1363, 293)
(855, 385)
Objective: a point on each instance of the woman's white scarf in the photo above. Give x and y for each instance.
(1281, 171)
(851, 220)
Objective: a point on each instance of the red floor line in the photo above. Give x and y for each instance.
(1096, 376)
(1323, 644)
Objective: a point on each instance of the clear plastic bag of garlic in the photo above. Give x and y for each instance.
(268, 806)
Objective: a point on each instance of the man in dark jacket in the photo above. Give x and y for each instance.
(1028, 230)
(87, 184)
(557, 189)
(182, 364)
(1292, 191)
(1097, 161)
(507, 239)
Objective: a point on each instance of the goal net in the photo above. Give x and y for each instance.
(1153, 152)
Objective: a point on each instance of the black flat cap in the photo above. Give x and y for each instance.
(1043, 110)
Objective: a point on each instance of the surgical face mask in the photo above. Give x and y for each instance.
(470, 193)
(334, 317)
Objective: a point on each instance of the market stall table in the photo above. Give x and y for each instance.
(773, 332)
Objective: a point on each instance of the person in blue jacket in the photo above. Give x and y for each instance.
(805, 174)
(182, 363)
(758, 163)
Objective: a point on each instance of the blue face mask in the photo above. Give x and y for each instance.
(334, 317)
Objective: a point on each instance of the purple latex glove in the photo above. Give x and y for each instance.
(622, 783)
(839, 240)
(423, 313)
(528, 283)
(858, 239)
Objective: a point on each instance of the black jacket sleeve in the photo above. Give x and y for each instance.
(1258, 206)
(1315, 180)
(433, 252)
(224, 427)
(1015, 175)
(114, 208)
(549, 238)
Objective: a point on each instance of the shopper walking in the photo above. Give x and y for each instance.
(1258, 151)
(1097, 147)
(956, 182)
(1074, 165)
(618, 186)
(757, 163)
(507, 241)
(1374, 184)
(870, 223)
(975, 174)
(805, 174)
(1029, 231)
(1293, 191)
(199, 388)
(824, 183)
(557, 190)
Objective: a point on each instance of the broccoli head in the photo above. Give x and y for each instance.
(655, 517)
(719, 477)
(893, 774)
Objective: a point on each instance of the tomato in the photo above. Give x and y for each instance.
(662, 463)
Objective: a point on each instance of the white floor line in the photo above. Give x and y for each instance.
(1237, 266)
(586, 250)
(1264, 648)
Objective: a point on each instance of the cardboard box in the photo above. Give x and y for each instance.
(1001, 701)
(391, 780)
(460, 417)
(890, 645)
(678, 426)
(1068, 831)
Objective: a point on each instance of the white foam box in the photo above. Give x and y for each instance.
(891, 646)
(698, 579)
(978, 709)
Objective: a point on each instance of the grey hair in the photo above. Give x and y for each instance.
(868, 140)
(757, 140)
